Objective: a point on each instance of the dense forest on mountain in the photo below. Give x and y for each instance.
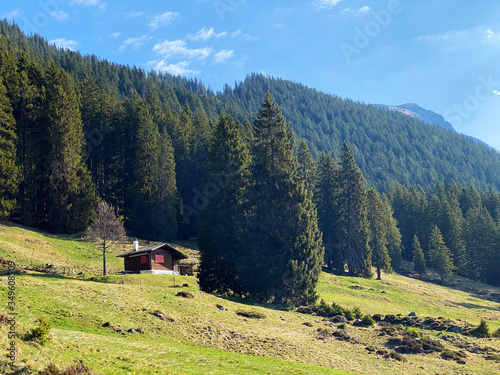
(261, 173)
(389, 147)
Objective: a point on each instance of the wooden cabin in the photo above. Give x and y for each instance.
(160, 259)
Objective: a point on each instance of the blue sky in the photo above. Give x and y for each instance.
(440, 54)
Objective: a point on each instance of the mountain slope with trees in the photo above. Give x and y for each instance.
(389, 147)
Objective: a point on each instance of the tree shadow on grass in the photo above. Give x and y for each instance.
(474, 306)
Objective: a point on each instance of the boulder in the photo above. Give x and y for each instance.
(412, 314)
(456, 329)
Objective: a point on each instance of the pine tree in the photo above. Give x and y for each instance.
(376, 216)
(167, 209)
(418, 257)
(307, 168)
(9, 170)
(393, 236)
(481, 240)
(69, 199)
(152, 193)
(326, 198)
(352, 206)
(26, 100)
(96, 108)
(284, 242)
(222, 220)
(440, 256)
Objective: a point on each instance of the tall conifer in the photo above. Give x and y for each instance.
(352, 203)
(69, 193)
(418, 257)
(284, 242)
(376, 216)
(9, 170)
(440, 256)
(221, 222)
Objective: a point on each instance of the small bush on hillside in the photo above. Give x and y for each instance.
(367, 320)
(413, 332)
(482, 330)
(78, 369)
(349, 315)
(496, 333)
(41, 333)
(357, 313)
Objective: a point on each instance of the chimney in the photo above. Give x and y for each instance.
(136, 245)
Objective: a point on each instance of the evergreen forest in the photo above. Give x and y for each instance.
(269, 176)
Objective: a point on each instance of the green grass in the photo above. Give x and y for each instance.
(197, 337)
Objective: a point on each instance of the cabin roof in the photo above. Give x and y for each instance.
(151, 248)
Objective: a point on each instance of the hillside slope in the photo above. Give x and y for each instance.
(389, 147)
(116, 327)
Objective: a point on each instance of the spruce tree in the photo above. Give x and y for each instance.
(69, 198)
(393, 236)
(440, 256)
(326, 198)
(418, 257)
(9, 170)
(152, 193)
(307, 168)
(222, 221)
(352, 206)
(284, 242)
(376, 216)
(481, 240)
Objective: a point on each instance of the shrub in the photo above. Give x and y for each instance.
(41, 333)
(496, 333)
(349, 315)
(78, 369)
(413, 332)
(367, 320)
(357, 313)
(482, 330)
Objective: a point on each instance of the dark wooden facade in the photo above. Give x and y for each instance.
(159, 259)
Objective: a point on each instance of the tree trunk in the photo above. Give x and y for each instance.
(378, 274)
(104, 260)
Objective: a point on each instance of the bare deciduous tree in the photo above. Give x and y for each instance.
(106, 232)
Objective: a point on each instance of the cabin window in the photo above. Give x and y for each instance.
(143, 259)
(159, 258)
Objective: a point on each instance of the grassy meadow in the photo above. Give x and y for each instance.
(136, 324)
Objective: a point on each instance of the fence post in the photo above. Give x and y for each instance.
(83, 275)
(51, 269)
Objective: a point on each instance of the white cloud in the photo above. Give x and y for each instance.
(64, 43)
(447, 36)
(278, 26)
(135, 43)
(496, 92)
(134, 14)
(222, 56)
(364, 10)
(205, 34)
(490, 33)
(12, 14)
(360, 12)
(325, 4)
(178, 48)
(181, 68)
(90, 3)
(60, 15)
(163, 19)
(116, 35)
